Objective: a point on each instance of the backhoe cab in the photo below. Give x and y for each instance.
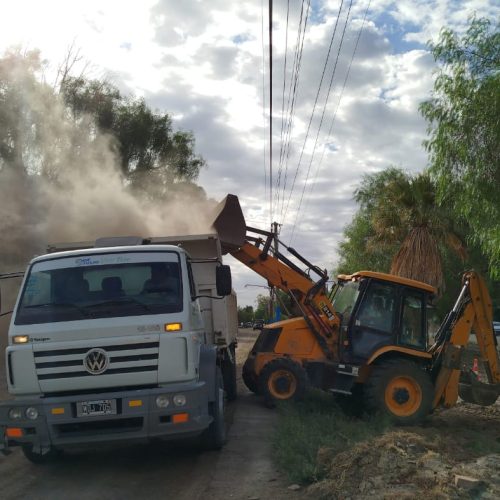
(368, 338)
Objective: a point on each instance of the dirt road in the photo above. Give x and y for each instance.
(241, 470)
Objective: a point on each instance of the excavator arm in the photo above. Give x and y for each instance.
(472, 311)
(260, 253)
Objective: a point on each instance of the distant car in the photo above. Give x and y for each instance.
(248, 324)
(258, 325)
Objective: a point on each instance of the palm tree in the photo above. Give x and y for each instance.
(406, 212)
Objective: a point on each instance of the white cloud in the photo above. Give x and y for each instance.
(202, 62)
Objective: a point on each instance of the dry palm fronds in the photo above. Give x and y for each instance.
(419, 258)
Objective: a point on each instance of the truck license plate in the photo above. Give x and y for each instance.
(96, 408)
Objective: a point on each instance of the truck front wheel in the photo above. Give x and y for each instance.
(40, 458)
(400, 389)
(214, 437)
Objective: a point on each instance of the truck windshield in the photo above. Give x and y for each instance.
(345, 299)
(101, 286)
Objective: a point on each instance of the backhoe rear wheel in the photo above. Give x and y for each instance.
(282, 379)
(401, 390)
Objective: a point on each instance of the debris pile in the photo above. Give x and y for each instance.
(413, 463)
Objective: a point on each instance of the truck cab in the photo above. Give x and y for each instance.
(111, 343)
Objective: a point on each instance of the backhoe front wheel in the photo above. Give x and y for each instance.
(282, 379)
(401, 390)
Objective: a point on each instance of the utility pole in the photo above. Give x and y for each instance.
(273, 303)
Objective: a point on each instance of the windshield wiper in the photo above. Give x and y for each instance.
(82, 310)
(116, 302)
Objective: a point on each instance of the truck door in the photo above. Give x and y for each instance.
(373, 326)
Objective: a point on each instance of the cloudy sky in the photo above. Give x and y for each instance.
(206, 62)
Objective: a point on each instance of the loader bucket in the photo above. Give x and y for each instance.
(473, 391)
(229, 223)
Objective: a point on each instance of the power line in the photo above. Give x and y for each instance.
(300, 41)
(321, 120)
(263, 95)
(283, 106)
(271, 109)
(318, 168)
(314, 109)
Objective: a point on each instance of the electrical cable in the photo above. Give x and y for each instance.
(313, 110)
(278, 182)
(292, 90)
(318, 168)
(322, 118)
(292, 107)
(263, 95)
(271, 109)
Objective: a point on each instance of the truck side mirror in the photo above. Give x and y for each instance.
(223, 280)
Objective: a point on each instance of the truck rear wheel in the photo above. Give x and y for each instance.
(282, 379)
(40, 458)
(214, 437)
(401, 390)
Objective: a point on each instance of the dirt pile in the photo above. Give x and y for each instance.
(411, 463)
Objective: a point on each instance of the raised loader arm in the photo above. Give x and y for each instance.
(259, 255)
(472, 311)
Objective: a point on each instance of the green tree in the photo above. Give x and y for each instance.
(464, 126)
(152, 155)
(357, 251)
(245, 314)
(262, 309)
(399, 228)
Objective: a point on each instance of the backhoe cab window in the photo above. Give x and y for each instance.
(103, 286)
(412, 322)
(345, 299)
(377, 309)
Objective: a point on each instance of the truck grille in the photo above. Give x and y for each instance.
(124, 358)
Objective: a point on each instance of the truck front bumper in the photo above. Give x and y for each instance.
(137, 417)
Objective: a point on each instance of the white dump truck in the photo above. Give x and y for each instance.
(121, 339)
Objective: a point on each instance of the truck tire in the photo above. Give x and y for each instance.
(38, 458)
(282, 379)
(249, 376)
(401, 390)
(229, 375)
(214, 437)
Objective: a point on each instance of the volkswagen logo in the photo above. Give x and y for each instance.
(96, 361)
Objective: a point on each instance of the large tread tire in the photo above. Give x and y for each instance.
(249, 377)
(214, 437)
(401, 390)
(229, 375)
(38, 458)
(282, 379)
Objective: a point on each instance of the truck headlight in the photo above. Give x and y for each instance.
(15, 413)
(162, 401)
(179, 400)
(21, 339)
(31, 413)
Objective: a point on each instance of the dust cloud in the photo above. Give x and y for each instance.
(63, 182)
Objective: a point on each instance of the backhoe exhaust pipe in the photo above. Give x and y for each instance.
(229, 223)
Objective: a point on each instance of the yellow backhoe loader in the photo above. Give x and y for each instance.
(368, 338)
